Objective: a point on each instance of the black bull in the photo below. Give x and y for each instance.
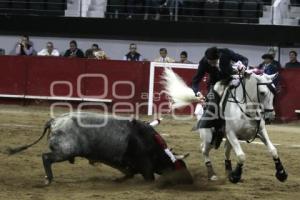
(127, 145)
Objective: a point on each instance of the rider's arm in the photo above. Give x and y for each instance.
(199, 75)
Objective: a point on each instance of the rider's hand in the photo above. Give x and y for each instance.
(239, 67)
(200, 97)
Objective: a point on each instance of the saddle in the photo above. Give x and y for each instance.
(220, 96)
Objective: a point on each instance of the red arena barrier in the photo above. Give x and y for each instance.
(127, 86)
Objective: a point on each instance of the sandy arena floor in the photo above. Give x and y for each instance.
(21, 175)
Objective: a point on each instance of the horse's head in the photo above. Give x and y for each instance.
(265, 93)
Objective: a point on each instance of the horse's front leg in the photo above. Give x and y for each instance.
(281, 174)
(228, 166)
(206, 136)
(236, 174)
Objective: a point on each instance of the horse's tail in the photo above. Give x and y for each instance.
(11, 151)
(180, 94)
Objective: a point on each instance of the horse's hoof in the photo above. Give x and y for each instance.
(281, 175)
(213, 178)
(234, 178)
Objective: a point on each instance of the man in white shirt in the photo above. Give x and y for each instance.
(164, 56)
(49, 50)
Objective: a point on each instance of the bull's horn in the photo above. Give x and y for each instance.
(155, 122)
(181, 157)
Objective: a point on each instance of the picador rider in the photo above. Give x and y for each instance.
(218, 64)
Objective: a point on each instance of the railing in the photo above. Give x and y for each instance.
(190, 10)
(33, 7)
(240, 11)
(170, 10)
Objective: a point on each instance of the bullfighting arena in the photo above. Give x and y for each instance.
(22, 175)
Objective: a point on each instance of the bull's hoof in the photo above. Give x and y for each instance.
(234, 178)
(281, 175)
(47, 181)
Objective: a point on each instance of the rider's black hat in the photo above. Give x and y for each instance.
(267, 56)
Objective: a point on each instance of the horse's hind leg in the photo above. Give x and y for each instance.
(236, 174)
(48, 160)
(206, 136)
(281, 174)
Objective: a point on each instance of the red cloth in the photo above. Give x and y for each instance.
(160, 141)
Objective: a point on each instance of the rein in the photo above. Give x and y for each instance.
(245, 95)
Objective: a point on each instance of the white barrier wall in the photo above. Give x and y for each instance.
(116, 49)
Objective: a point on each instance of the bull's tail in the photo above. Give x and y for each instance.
(11, 151)
(180, 94)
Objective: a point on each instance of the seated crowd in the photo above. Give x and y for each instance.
(25, 47)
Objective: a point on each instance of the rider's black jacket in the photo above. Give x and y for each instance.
(224, 71)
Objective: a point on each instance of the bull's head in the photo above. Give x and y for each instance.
(171, 166)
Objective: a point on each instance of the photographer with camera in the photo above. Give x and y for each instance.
(24, 47)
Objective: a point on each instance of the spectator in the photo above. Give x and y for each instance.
(100, 55)
(73, 51)
(90, 52)
(24, 47)
(293, 60)
(133, 55)
(272, 51)
(164, 56)
(269, 66)
(49, 50)
(184, 58)
(2, 52)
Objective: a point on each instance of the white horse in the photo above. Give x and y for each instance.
(243, 113)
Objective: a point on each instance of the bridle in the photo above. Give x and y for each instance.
(272, 89)
(244, 101)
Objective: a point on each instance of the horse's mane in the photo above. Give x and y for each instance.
(246, 89)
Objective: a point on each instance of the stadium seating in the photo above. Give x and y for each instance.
(33, 7)
(211, 11)
(4, 7)
(192, 10)
(295, 2)
(19, 6)
(116, 8)
(249, 10)
(56, 7)
(230, 10)
(37, 7)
